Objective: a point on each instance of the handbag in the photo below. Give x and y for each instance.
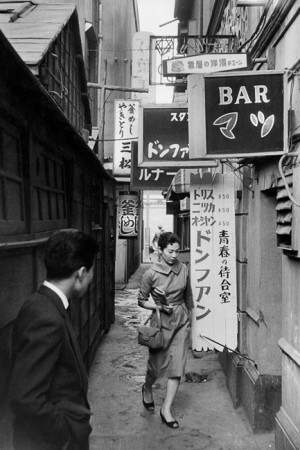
(151, 337)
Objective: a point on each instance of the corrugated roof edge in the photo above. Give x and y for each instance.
(72, 9)
(7, 50)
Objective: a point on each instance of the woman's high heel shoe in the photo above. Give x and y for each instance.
(172, 424)
(149, 406)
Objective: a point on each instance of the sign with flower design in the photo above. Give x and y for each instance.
(240, 114)
(205, 63)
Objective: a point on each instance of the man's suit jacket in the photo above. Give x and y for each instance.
(48, 382)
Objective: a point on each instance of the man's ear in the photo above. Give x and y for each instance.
(81, 272)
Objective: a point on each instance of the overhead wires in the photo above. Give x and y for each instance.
(259, 28)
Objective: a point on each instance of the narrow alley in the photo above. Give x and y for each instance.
(203, 407)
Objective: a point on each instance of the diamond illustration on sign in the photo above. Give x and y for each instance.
(230, 119)
(267, 123)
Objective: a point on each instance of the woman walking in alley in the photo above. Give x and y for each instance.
(167, 281)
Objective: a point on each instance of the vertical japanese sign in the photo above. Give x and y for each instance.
(213, 261)
(125, 132)
(128, 215)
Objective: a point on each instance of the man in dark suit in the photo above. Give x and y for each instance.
(48, 382)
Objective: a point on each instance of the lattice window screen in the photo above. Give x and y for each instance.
(288, 213)
(284, 212)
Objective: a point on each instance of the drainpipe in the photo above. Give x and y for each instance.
(100, 45)
(201, 18)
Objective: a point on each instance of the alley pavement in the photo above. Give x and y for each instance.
(203, 407)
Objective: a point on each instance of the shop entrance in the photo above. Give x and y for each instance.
(155, 220)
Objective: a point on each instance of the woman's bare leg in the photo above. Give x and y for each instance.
(172, 388)
(148, 397)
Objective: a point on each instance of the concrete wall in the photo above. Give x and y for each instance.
(241, 221)
(264, 277)
(288, 418)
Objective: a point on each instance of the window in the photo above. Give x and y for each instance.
(284, 212)
(60, 76)
(49, 203)
(96, 205)
(12, 208)
(288, 213)
(184, 230)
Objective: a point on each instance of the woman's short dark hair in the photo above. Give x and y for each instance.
(68, 250)
(167, 238)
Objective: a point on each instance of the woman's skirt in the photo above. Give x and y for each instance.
(171, 359)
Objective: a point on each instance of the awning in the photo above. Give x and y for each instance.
(180, 185)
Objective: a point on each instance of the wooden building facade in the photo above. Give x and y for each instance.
(50, 179)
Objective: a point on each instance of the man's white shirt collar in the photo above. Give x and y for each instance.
(58, 292)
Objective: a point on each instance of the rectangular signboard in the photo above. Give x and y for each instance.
(164, 138)
(213, 261)
(128, 215)
(125, 131)
(149, 178)
(205, 63)
(240, 114)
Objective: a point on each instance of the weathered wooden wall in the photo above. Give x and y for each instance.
(49, 179)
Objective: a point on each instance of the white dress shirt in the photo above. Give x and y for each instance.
(58, 292)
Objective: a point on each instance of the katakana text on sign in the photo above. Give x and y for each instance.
(238, 114)
(245, 114)
(165, 134)
(213, 273)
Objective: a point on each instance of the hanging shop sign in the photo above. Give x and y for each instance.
(205, 63)
(164, 138)
(151, 178)
(213, 261)
(125, 132)
(239, 114)
(128, 215)
(141, 67)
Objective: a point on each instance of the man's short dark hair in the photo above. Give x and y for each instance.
(167, 238)
(68, 250)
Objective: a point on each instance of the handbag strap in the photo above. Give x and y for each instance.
(158, 317)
